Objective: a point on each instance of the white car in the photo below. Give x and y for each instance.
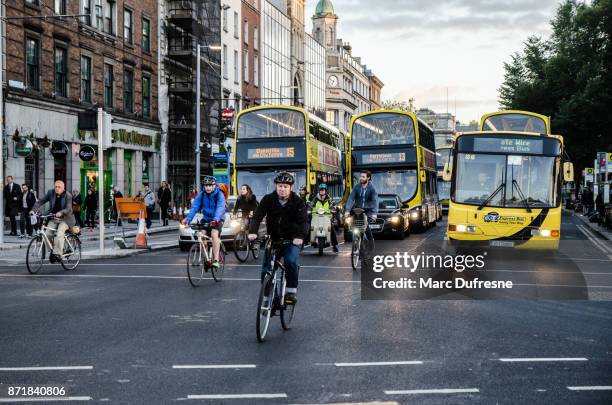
(230, 227)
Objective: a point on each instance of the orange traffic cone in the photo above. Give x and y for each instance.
(141, 237)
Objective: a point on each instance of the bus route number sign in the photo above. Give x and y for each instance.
(272, 153)
(375, 158)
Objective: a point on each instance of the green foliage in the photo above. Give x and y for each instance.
(568, 77)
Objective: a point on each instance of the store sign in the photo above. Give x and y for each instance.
(24, 147)
(59, 150)
(376, 158)
(87, 153)
(271, 153)
(131, 137)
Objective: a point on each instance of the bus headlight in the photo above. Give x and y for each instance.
(462, 228)
(545, 233)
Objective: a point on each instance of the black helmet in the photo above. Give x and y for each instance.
(284, 177)
(209, 181)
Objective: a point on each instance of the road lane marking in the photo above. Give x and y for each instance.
(164, 277)
(541, 359)
(591, 388)
(213, 366)
(39, 399)
(46, 368)
(590, 236)
(434, 391)
(227, 266)
(378, 363)
(238, 396)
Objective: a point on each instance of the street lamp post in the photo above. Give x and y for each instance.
(198, 107)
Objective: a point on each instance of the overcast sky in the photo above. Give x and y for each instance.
(419, 48)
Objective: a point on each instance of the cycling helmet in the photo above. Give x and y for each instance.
(284, 177)
(322, 186)
(209, 181)
(302, 188)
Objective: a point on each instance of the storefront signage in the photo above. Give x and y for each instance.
(375, 158)
(131, 137)
(271, 153)
(24, 147)
(87, 153)
(59, 150)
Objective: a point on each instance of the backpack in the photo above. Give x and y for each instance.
(223, 187)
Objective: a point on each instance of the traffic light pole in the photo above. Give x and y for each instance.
(101, 176)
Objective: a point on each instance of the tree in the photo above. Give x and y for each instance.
(399, 105)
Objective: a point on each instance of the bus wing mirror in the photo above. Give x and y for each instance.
(423, 176)
(447, 173)
(313, 178)
(568, 172)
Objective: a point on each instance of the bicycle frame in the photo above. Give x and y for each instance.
(47, 242)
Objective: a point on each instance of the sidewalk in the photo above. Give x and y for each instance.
(13, 242)
(595, 227)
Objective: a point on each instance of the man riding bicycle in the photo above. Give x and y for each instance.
(286, 219)
(60, 203)
(211, 202)
(364, 196)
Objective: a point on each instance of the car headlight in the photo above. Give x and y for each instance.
(234, 223)
(394, 220)
(182, 226)
(415, 214)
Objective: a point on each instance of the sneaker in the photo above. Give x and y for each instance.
(335, 249)
(215, 264)
(290, 299)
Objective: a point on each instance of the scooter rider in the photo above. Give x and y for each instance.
(322, 201)
(286, 219)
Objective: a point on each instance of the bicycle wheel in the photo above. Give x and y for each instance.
(241, 246)
(264, 307)
(72, 252)
(35, 255)
(195, 267)
(255, 247)
(286, 311)
(217, 273)
(355, 251)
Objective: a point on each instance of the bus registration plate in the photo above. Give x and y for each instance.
(502, 243)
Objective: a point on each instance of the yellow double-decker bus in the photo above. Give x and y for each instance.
(398, 148)
(443, 156)
(270, 139)
(506, 183)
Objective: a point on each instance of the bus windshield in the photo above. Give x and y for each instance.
(262, 183)
(507, 180)
(515, 122)
(383, 129)
(400, 182)
(271, 123)
(443, 189)
(442, 157)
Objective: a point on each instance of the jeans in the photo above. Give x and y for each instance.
(289, 254)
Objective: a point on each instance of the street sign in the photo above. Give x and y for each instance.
(59, 150)
(227, 114)
(87, 153)
(220, 157)
(24, 147)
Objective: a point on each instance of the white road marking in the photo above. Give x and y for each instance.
(591, 388)
(39, 399)
(46, 368)
(208, 366)
(539, 359)
(591, 236)
(378, 363)
(227, 266)
(237, 396)
(434, 391)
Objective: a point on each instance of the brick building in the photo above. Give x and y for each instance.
(58, 67)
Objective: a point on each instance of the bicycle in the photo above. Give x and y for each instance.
(35, 255)
(361, 241)
(203, 249)
(242, 244)
(272, 292)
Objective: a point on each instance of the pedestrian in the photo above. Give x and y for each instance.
(116, 194)
(600, 208)
(12, 199)
(149, 199)
(28, 200)
(91, 205)
(77, 201)
(164, 197)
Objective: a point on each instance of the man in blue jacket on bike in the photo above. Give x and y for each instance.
(364, 196)
(211, 202)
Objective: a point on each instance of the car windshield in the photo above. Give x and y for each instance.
(383, 129)
(443, 189)
(400, 182)
(271, 123)
(442, 157)
(506, 180)
(385, 203)
(515, 122)
(262, 183)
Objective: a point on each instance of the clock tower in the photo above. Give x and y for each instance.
(324, 24)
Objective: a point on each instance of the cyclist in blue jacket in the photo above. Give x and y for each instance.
(211, 202)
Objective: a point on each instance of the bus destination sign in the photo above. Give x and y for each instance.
(377, 158)
(508, 145)
(272, 153)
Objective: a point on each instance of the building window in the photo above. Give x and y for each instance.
(61, 71)
(33, 2)
(236, 69)
(235, 25)
(99, 15)
(109, 90)
(245, 65)
(60, 7)
(86, 9)
(245, 34)
(128, 27)
(128, 91)
(224, 61)
(146, 96)
(256, 70)
(255, 38)
(109, 18)
(85, 79)
(225, 19)
(146, 34)
(32, 63)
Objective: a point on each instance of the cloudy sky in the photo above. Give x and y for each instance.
(419, 48)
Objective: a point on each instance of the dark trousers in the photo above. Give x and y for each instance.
(77, 216)
(149, 216)
(334, 238)
(290, 254)
(90, 218)
(13, 224)
(25, 224)
(164, 214)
